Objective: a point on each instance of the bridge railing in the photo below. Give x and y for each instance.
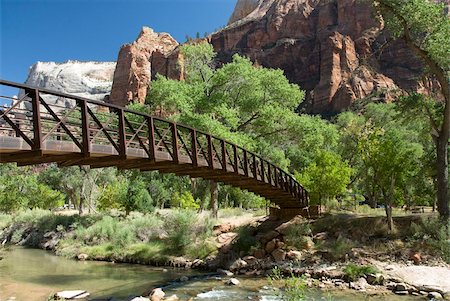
(53, 121)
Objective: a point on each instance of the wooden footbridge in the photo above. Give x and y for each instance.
(43, 126)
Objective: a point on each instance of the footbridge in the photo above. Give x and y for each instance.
(43, 126)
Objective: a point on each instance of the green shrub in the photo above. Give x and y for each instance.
(341, 247)
(185, 201)
(295, 235)
(354, 272)
(246, 240)
(5, 220)
(435, 234)
(200, 250)
(179, 226)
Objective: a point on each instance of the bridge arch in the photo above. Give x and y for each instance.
(43, 126)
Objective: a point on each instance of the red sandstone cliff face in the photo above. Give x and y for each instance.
(134, 64)
(334, 49)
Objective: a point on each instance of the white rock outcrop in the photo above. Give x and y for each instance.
(91, 80)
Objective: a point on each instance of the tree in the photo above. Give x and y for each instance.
(244, 104)
(326, 177)
(425, 28)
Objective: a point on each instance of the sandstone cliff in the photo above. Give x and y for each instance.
(334, 49)
(133, 72)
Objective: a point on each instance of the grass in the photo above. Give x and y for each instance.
(354, 272)
(292, 288)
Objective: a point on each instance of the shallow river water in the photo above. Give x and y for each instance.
(33, 275)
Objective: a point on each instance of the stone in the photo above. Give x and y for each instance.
(157, 294)
(259, 253)
(197, 263)
(359, 285)
(269, 236)
(307, 243)
(251, 260)
(294, 255)
(401, 292)
(270, 246)
(238, 264)
(242, 9)
(172, 298)
(225, 272)
(222, 228)
(82, 256)
(401, 287)
(279, 255)
(416, 257)
(435, 295)
(233, 281)
(375, 279)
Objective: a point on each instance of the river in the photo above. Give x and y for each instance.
(34, 275)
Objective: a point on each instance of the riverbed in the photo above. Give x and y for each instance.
(34, 275)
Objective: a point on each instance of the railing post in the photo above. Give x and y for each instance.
(235, 159)
(194, 148)
(151, 138)
(122, 134)
(245, 163)
(210, 151)
(276, 176)
(261, 162)
(35, 103)
(175, 142)
(269, 171)
(224, 155)
(255, 168)
(86, 139)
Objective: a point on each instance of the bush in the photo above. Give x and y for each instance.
(434, 234)
(354, 272)
(246, 240)
(185, 201)
(341, 247)
(295, 235)
(179, 226)
(200, 250)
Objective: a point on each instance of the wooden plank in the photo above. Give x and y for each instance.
(37, 132)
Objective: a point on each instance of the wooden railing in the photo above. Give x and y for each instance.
(47, 126)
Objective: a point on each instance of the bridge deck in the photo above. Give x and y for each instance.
(45, 126)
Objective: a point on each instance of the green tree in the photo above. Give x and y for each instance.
(326, 177)
(425, 27)
(244, 104)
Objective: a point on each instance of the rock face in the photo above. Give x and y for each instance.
(334, 49)
(134, 64)
(91, 80)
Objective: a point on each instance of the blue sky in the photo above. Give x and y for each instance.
(94, 30)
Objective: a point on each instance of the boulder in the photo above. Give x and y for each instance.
(222, 228)
(259, 253)
(225, 272)
(238, 264)
(233, 281)
(271, 245)
(157, 294)
(75, 294)
(294, 255)
(82, 256)
(435, 296)
(375, 279)
(172, 298)
(140, 299)
(279, 255)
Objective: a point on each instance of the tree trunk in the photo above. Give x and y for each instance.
(214, 203)
(442, 177)
(390, 221)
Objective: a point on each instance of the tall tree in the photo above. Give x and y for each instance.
(425, 27)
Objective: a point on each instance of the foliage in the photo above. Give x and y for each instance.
(434, 234)
(186, 201)
(296, 235)
(293, 287)
(354, 272)
(246, 240)
(326, 177)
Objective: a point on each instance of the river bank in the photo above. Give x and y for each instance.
(333, 253)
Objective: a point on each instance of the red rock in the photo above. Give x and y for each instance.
(279, 255)
(416, 257)
(335, 50)
(133, 70)
(271, 245)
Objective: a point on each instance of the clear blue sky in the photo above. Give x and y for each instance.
(94, 30)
